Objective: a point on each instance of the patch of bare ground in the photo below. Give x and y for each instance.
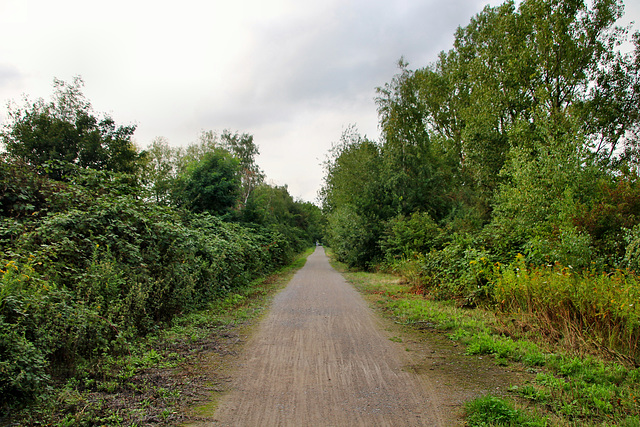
(190, 373)
(457, 377)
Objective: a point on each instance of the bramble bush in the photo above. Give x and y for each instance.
(460, 270)
(94, 265)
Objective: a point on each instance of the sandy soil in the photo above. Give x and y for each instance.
(321, 357)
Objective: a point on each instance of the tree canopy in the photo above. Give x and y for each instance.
(508, 137)
(65, 130)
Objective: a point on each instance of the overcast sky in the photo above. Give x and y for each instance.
(293, 73)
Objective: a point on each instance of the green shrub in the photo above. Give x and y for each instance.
(460, 271)
(413, 234)
(632, 250)
(572, 247)
(494, 411)
(23, 367)
(80, 282)
(353, 237)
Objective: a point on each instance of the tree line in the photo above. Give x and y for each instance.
(516, 149)
(101, 242)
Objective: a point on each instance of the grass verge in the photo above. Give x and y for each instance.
(568, 390)
(165, 375)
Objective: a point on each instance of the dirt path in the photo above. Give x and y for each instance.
(321, 357)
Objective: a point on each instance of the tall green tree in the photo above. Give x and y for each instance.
(354, 200)
(245, 150)
(239, 145)
(211, 184)
(413, 166)
(516, 77)
(66, 130)
(161, 169)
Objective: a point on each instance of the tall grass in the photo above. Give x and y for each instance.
(590, 310)
(586, 311)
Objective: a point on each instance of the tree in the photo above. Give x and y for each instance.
(353, 192)
(352, 175)
(161, 169)
(211, 184)
(517, 77)
(245, 150)
(412, 164)
(503, 137)
(67, 131)
(240, 146)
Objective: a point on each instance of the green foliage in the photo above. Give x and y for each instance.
(273, 207)
(539, 200)
(89, 264)
(353, 200)
(352, 237)
(66, 130)
(212, 184)
(632, 251)
(417, 233)
(245, 150)
(160, 170)
(520, 139)
(494, 411)
(352, 176)
(614, 209)
(415, 172)
(22, 191)
(101, 274)
(460, 270)
(23, 372)
(100, 244)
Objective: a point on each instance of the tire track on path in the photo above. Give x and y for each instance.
(320, 358)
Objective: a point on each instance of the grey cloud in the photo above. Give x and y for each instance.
(351, 48)
(340, 55)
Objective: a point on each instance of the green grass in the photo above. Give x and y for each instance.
(493, 411)
(571, 390)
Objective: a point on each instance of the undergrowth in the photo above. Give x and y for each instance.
(152, 381)
(575, 390)
(585, 311)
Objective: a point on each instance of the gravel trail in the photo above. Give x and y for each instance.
(321, 358)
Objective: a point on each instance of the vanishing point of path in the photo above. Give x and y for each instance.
(320, 358)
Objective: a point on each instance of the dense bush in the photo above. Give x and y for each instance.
(94, 265)
(615, 208)
(416, 233)
(459, 271)
(353, 237)
(101, 242)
